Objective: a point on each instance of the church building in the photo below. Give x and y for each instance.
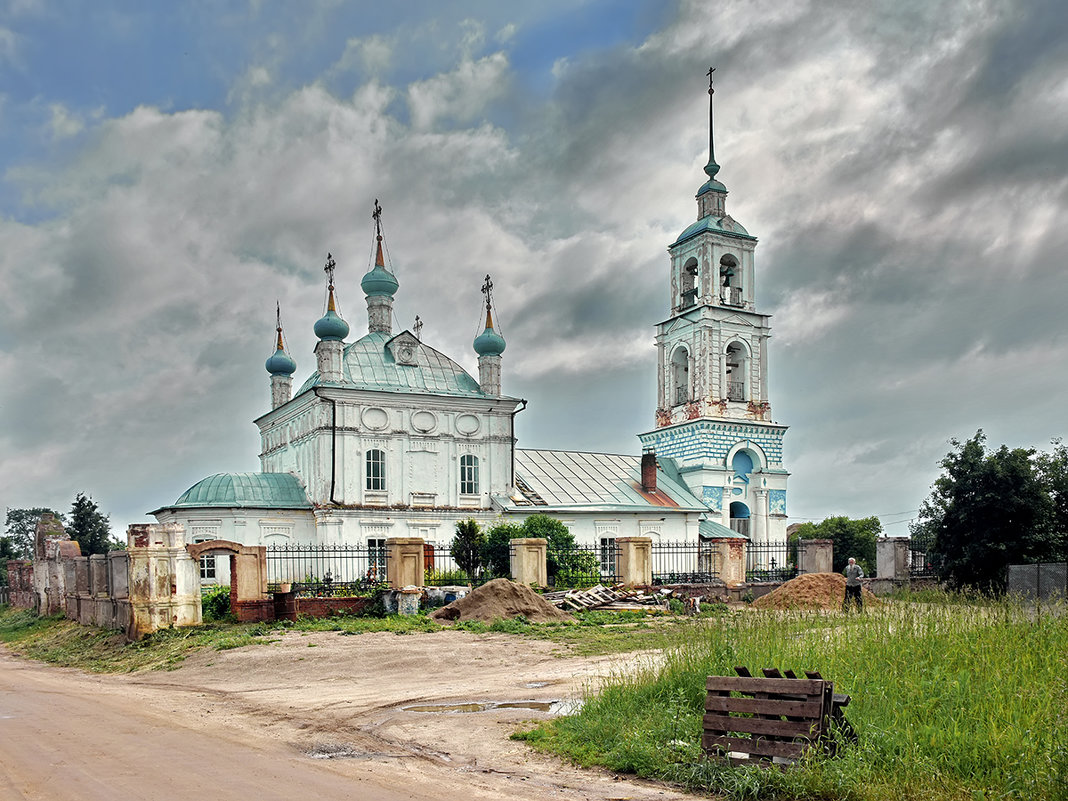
(389, 437)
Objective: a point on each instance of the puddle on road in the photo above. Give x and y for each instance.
(555, 707)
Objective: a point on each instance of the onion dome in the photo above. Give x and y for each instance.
(330, 327)
(280, 363)
(379, 280)
(489, 342)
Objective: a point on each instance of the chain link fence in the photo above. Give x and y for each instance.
(1042, 582)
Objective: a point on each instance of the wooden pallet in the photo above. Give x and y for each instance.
(774, 719)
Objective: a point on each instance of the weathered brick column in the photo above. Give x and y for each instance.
(164, 580)
(635, 561)
(892, 558)
(526, 559)
(815, 556)
(727, 556)
(404, 565)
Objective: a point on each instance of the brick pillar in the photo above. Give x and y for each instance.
(727, 555)
(892, 558)
(404, 563)
(527, 561)
(635, 560)
(164, 580)
(815, 556)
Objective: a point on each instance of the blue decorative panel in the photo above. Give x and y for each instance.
(777, 502)
(707, 440)
(737, 491)
(713, 496)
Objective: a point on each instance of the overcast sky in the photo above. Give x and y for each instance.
(169, 170)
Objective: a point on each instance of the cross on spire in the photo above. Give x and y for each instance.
(417, 328)
(487, 290)
(329, 269)
(377, 216)
(712, 167)
(711, 89)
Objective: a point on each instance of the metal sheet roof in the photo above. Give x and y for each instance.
(369, 364)
(556, 479)
(247, 490)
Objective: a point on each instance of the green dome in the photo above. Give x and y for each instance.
(331, 327)
(489, 343)
(248, 490)
(281, 364)
(379, 281)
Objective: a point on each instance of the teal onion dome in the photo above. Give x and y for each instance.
(489, 342)
(330, 327)
(281, 364)
(379, 281)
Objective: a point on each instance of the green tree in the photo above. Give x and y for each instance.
(985, 512)
(563, 557)
(88, 526)
(466, 548)
(1052, 469)
(497, 551)
(854, 538)
(21, 526)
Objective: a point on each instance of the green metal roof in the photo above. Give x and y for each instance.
(369, 364)
(713, 225)
(711, 530)
(246, 490)
(601, 481)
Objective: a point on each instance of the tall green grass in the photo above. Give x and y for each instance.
(950, 703)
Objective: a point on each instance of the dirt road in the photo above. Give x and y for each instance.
(319, 714)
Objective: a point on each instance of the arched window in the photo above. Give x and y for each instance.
(680, 376)
(730, 281)
(468, 474)
(376, 469)
(688, 293)
(740, 518)
(735, 372)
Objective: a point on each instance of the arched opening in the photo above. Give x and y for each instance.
(736, 372)
(688, 291)
(730, 281)
(742, 464)
(680, 376)
(740, 518)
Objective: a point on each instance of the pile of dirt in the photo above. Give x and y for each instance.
(500, 599)
(811, 591)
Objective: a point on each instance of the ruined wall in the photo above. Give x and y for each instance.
(163, 580)
(23, 595)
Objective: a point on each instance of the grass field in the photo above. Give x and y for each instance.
(950, 701)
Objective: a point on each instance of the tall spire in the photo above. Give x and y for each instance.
(331, 327)
(712, 167)
(379, 284)
(489, 345)
(280, 365)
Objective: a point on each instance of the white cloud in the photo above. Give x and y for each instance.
(462, 94)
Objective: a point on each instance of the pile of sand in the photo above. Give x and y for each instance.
(811, 591)
(498, 600)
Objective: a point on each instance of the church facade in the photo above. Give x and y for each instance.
(389, 437)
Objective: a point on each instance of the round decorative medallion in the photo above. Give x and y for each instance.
(405, 354)
(467, 424)
(374, 418)
(424, 421)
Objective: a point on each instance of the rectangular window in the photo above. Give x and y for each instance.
(376, 558)
(207, 561)
(468, 475)
(376, 470)
(608, 556)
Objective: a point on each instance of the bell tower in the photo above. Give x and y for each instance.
(714, 414)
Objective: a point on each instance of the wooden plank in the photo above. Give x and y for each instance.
(758, 706)
(717, 724)
(760, 746)
(742, 684)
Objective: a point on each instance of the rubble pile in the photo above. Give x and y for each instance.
(500, 599)
(813, 591)
(618, 598)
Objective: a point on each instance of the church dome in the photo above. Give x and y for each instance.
(281, 364)
(331, 327)
(489, 343)
(379, 281)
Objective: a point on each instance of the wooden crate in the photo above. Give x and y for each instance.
(765, 719)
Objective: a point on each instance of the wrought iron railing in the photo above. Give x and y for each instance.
(770, 561)
(325, 570)
(584, 565)
(682, 395)
(684, 563)
(736, 390)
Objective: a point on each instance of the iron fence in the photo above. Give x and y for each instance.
(773, 560)
(684, 563)
(440, 569)
(920, 565)
(584, 565)
(1042, 582)
(325, 570)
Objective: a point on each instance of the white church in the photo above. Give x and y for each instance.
(389, 437)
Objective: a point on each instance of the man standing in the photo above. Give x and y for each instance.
(853, 575)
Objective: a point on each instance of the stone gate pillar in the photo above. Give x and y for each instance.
(635, 561)
(164, 580)
(892, 558)
(527, 560)
(815, 556)
(404, 562)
